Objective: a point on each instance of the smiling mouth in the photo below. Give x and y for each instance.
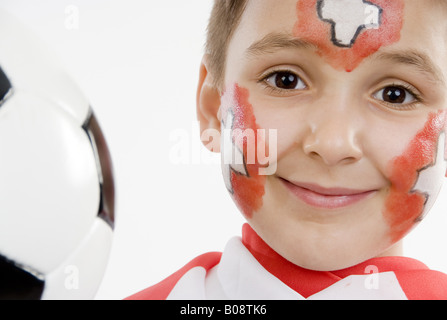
(326, 198)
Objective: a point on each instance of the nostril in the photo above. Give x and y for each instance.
(313, 154)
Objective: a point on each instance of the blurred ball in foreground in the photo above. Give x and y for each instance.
(56, 183)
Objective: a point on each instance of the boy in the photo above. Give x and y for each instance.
(348, 99)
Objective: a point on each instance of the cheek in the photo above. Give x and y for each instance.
(416, 177)
(240, 165)
(337, 29)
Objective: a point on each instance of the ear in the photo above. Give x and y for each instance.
(208, 109)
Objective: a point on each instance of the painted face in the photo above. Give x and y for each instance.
(353, 94)
(356, 28)
(241, 166)
(416, 177)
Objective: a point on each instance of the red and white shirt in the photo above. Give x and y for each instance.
(249, 269)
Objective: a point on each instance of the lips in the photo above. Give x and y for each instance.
(326, 198)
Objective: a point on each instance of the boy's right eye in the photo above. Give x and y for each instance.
(284, 80)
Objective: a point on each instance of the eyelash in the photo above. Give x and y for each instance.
(263, 80)
(408, 88)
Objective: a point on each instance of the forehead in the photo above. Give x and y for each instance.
(412, 25)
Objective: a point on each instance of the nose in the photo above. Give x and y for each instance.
(333, 136)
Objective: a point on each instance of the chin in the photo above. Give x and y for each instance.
(327, 250)
(338, 256)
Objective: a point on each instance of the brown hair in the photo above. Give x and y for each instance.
(224, 19)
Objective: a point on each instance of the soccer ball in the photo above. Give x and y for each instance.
(56, 183)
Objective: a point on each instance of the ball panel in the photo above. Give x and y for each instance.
(17, 283)
(81, 274)
(52, 178)
(31, 67)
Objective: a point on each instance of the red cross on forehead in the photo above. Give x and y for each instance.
(348, 31)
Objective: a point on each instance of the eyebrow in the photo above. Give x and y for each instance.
(273, 42)
(414, 58)
(276, 41)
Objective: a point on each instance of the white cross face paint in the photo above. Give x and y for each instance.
(244, 145)
(233, 158)
(249, 152)
(416, 177)
(230, 163)
(428, 182)
(348, 31)
(348, 18)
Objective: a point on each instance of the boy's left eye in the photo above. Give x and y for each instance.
(395, 95)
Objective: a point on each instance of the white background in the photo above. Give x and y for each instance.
(137, 61)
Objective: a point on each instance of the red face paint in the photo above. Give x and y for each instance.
(313, 29)
(248, 190)
(404, 206)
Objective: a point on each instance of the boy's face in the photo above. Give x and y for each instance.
(354, 91)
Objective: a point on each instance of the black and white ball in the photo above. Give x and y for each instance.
(56, 183)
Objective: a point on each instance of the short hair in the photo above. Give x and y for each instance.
(224, 19)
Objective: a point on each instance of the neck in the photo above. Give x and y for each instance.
(308, 282)
(397, 250)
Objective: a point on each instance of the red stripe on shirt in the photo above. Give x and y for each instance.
(161, 290)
